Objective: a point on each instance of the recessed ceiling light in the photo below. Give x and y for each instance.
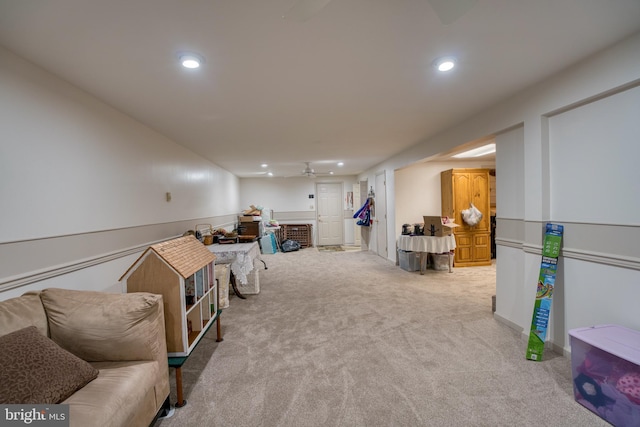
(444, 64)
(264, 165)
(330, 172)
(191, 60)
(270, 173)
(477, 152)
(340, 164)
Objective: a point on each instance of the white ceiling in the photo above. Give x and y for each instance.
(353, 83)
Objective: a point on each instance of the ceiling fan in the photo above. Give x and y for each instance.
(448, 11)
(309, 172)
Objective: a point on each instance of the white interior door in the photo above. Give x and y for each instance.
(330, 214)
(381, 214)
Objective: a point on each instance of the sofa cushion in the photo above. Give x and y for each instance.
(88, 323)
(36, 370)
(122, 395)
(20, 312)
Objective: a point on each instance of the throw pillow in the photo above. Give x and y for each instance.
(35, 370)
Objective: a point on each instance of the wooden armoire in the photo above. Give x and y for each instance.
(460, 188)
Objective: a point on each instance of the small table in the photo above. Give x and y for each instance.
(241, 257)
(177, 362)
(428, 244)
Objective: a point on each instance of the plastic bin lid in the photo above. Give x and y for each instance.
(617, 340)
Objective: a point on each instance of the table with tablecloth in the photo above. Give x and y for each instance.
(241, 256)
(426, 245)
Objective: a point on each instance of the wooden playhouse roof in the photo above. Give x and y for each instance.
(185, 255)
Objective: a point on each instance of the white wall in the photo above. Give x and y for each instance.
(101, 277)
(73, 166)
(564, 145)
(594, 152)
(289, 200)
(513, 284)
(510, 173)
(279, 194)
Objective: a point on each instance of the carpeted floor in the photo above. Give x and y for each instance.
(349, 339)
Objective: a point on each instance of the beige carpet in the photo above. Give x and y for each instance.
(349, 339)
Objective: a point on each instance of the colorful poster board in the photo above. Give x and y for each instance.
(544, 293)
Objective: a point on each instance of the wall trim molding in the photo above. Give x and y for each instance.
(532, 248)
(222, 220)
(510, 243)
(283, 216)
(602, 258)
(562, 222)
(59, 270)
(67, 251)
(579, 254)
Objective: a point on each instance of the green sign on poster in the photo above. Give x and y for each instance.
(544, 292)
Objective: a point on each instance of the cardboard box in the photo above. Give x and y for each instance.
(438, 226)
(249, 218)
(605, 367)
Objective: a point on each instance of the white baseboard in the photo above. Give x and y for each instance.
(524, 337)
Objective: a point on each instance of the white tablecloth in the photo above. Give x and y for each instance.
(430, 244)
(240, 255)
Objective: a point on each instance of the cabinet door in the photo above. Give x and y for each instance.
(461, 199)
(446, 194)
(463, 253)
(481, 247)
(480, 197)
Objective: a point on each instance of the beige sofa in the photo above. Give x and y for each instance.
(118, 337)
